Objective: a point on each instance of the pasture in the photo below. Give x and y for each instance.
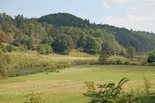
(68, 85)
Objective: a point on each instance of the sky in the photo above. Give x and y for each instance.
(131, 14)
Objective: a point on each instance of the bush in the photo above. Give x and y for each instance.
(151, 57)
(10, 48)
(103, 58)
(44, 49)
(113, 93)
(4, 49)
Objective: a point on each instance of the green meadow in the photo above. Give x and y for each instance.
(68, 85)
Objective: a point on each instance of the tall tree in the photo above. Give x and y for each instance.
(63, 44)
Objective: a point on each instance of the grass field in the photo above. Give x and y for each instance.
(67, 86)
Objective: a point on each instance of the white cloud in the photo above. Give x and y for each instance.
(139, 14)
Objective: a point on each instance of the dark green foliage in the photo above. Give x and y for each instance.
(90, 45)
(151, 57)
(64, 19)
(63, 44)
(91, 38)
(140, 40)
(44, 49)
(48, 40)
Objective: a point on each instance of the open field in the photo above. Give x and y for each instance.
(67, 85)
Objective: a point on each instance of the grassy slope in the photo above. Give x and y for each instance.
(31, 57)
(67, 86)
(30, 62)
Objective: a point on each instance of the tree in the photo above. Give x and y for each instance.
(131, 52)
(111, 47)
(44, 49)
(48, 40)
(63, 44)
(90, 44)
(103, 57)
(151, 57)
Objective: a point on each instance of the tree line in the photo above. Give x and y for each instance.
(63, 32)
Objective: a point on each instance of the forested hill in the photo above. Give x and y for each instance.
(142, 41)
(64, 19)
(62, 32)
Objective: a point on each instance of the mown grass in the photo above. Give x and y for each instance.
(67, 86)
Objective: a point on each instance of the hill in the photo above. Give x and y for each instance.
(62, 32)
(142, 41)
(64, 19)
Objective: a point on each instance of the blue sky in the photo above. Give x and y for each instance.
(136, 14)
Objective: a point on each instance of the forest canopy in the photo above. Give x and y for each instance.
(62, 32)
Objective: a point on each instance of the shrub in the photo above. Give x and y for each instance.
(103, 58)
(44, 49)
(4, 49)
(107, 93)
(10, 48)
(113, 93)
(151, 57)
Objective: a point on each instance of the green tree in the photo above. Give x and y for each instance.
(131, 52)
(103, 57)
(44, 49)
(48, 40)
(90, 44)
(63, 44)
(151, 57)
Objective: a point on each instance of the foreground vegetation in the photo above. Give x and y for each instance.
(68, 85)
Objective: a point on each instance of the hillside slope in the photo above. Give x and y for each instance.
(141, 41)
